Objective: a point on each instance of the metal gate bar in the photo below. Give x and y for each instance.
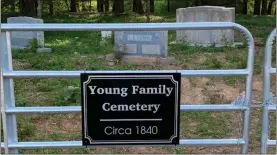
(78, 144)
(76, 74)
(242, 103)
(268, 99)
(77, 109)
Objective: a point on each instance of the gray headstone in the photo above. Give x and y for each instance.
(21, 39)
(106, 34)
(142, 43)
(206, 14)
(44, 50)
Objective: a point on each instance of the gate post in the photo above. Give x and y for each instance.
(267, 97)
(9, 120)
(249, 82)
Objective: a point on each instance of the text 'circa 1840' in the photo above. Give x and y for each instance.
(130, 108)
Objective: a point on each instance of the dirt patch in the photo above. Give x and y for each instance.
(20, 65)
(63, 126)
(71, 124)
(146, 150)
(192, 91)
(229, 93)
(257, 89)
(201, 90)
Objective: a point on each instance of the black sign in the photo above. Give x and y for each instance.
(130, 109)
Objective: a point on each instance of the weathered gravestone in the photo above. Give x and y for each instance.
(21, 39)
(142, 46)
(206, 14)
(106, 34)
(142, 43)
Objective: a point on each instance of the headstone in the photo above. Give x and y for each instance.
(142, 43)
(21, 39)
(106, 34)
(206, 14)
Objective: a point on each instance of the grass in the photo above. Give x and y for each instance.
(83, 51)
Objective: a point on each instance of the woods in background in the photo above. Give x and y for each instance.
(116, 7)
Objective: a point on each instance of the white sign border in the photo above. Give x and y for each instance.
(176, 122)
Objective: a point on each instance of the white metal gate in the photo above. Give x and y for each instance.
(11, 143)
(268, 99)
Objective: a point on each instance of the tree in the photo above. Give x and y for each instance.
(73, 6)
(103, 6)
(269, 9)
(152, 6)
(245, 8)
(67, 5)
(89, 5)
(257, 7)
(100, 5)
(137, 6)
(39, 9)
(28, 8)
(264, 7)
(107, 6)
(204, 2)
(148, 10)
(118, 7)
(84, 5)
(51, 8)
(13, 6)
(8, 3)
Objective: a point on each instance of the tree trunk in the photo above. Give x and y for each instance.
(148, 11)
(244, 10)
(196, 3)
(73, 6)
(21, 7)
(39, 11)
(264, 7)
(100, 5)
(51, 8)
(118, 7)
(152, 6)
(13, 6)
(257, 7)
(89, 5)
(28, 8)
(204, 2)
(269, 9)
(107, 6)
(36, 6)
(137, 7)
(84, 6)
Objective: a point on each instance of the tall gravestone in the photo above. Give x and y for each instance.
(206, 14)
(21, 39)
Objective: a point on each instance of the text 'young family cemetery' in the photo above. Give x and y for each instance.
(130, 109)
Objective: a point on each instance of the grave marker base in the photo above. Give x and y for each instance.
(142, 60)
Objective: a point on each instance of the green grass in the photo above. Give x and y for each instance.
(84, 51)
